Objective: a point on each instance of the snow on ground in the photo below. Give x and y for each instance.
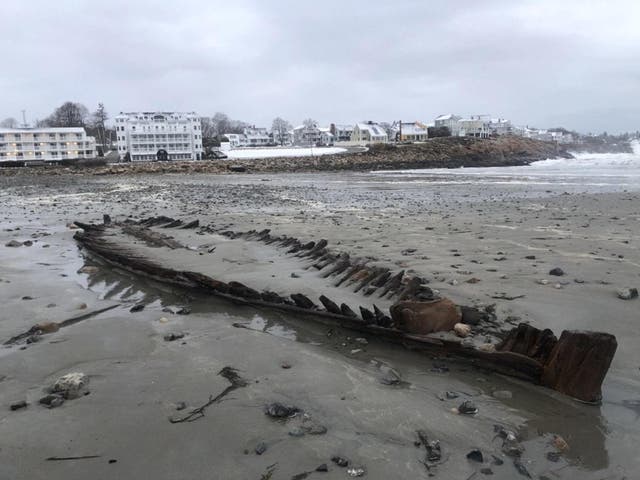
(283, 152)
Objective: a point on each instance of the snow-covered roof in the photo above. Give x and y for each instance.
(44, 130)
(449, 116)
(374, 129)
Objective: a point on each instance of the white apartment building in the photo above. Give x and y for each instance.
(35, 145)
(144, 136)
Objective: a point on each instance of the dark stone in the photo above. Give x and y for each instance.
(475, 456)
(137, 308)
(558, 272)
(468, 408)
(530, 257)
(52, 401)
(278, 410)
(330, 306)
(497, 460)
(184, 311)
(451, 395)
(181, 406)
(106, 219)
(434, 451)
(18, 405)
(472, 315)
(486, 471)
(522, 470)
(112, 460)
(322, 468)
(553, 456)
(170, 337)
(190, 225)
(341, 462)
(579, 363)
(302, 301)
(260, 448)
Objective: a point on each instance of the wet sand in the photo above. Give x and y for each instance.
(458, 233)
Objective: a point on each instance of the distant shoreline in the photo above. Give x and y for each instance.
(447, 152)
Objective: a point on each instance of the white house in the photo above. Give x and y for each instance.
(450, 121)
(369, 132)
(143, 136)
(474, 126)
(34, 145)
(257, 137)
(410, 131)
(305, 135)
(500, 126)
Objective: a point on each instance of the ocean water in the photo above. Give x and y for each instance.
(586, 172)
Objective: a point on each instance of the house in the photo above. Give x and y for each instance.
(369, 132)
(450, 121)
(500, 126)
(474, 126)
(250, 137)
(305, 135)
(35, 145)
(257, 137)
(341, 133)
(410, 131)
(326, 137)
(143, 136)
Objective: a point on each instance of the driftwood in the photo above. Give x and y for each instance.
(236, 381)
(525, 352)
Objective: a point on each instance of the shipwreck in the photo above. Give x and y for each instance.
(311, 279)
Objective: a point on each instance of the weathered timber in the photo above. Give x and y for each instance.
(329, 305)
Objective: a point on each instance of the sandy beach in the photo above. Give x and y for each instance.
(475, 241)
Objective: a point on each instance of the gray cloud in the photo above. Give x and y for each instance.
(539, 62)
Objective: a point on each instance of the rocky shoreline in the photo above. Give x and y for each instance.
(449, 152)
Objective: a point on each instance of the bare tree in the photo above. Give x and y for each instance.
(69, 114)
(98, 120)
(9, 123)
(309, 123)
(279, 128)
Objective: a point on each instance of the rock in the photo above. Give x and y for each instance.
(171, 337)
(627, 293)
(322, 468)
(425, 317)
(467, 408)
(361, 341)
(47, 327)
(285, 365)
(486, 471)
(496, 460)
(543, 281)
(558, 272)
(27, 243)
(462, 330)
(341, 462)
(18, 405)
(52, 400)
(278, 410)
(522, 470)
(181, 406)
(356, 471)
(13, 243)
(578, 364)
(451, 395)
(553, 456)
(434, 451)
(313, 428)
(475, 456)
(560, 443)
(88, 269)
(183, 311)
(472, 315)
(137, 308)
(487, 347)
(260, 448)
(72, 385)
(502, 394)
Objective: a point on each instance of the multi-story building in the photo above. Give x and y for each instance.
(143, 136)
(35, 145)
(450, 121)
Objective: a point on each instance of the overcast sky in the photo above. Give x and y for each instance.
(543, 63)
